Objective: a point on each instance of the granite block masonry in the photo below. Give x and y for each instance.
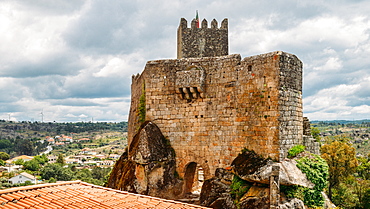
(212, 105)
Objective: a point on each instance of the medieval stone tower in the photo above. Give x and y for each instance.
(204, 41)
(211, 105)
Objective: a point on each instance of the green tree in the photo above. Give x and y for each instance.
(2, 162)
(360, 188)
(363, 170)
(32, 165)
(60, 160)
(83, 174)
(19, 162)
(100, 173)
(4, 156)
(52, 180)
(5, 143)
(57, 172)
(341, 158)
(315, 132)
(366, 199)
(24, 147)
(41, 159)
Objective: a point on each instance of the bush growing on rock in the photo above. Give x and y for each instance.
(316, 170)
(294, 151)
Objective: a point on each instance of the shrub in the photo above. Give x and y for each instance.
(316, 170)
(294, 151)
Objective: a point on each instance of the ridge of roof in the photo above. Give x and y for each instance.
(80, 194)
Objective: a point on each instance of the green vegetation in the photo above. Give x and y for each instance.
(341, 158)
(315, 132)
(60, 160)
(238, 188)
(316, 170)
(357, 131)
(4, 156)
(346, 146)
(142, 106)
(56, 172)
(27, 138)
(294, 151)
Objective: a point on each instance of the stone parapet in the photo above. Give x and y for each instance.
(311, 145)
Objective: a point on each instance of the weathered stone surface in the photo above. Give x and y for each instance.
(216, 191)
(223, 202)
(149, 145)
(328, 204)
(149, 166)
(123, 174)
(292, 204)
(248, 163)
(204, 41)
(290, 174)
(256, 197)
(311, 145)
(252, 168)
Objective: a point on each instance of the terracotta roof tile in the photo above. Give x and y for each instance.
(77, 194)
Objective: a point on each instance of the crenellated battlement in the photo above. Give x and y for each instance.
(204, 24)
(204, 41)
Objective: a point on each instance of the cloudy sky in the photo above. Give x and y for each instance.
(73, 60)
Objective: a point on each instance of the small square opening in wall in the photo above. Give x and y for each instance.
(201, 116)
(249, 68)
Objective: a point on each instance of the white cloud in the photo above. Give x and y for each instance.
(121, 65)
(333, 63)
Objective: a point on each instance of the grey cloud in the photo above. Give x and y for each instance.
(62, 64)
(55, 7)
(75, 102)
(105, 28)
(97, 87)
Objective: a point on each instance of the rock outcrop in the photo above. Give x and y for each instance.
(148, 167)
(251, 167)
(216, 191)
(256, 172)
(292, 204)
(256, 197)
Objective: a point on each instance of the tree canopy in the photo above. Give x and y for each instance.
(341, 159)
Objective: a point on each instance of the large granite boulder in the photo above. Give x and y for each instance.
(256, 197)
(148, 167)
(292, 204)
(253, 168)
(216, 191)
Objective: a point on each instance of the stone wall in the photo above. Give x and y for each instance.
(204, 41)
(308, 141)
(306, 127)
(290, 104)
(211, 108)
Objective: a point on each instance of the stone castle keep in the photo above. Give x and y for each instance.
(211, 105)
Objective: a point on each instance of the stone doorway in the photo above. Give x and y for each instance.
(193, 179)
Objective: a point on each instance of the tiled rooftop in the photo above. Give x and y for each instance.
(77, 194)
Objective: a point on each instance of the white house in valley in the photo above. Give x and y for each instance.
(22, 178)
